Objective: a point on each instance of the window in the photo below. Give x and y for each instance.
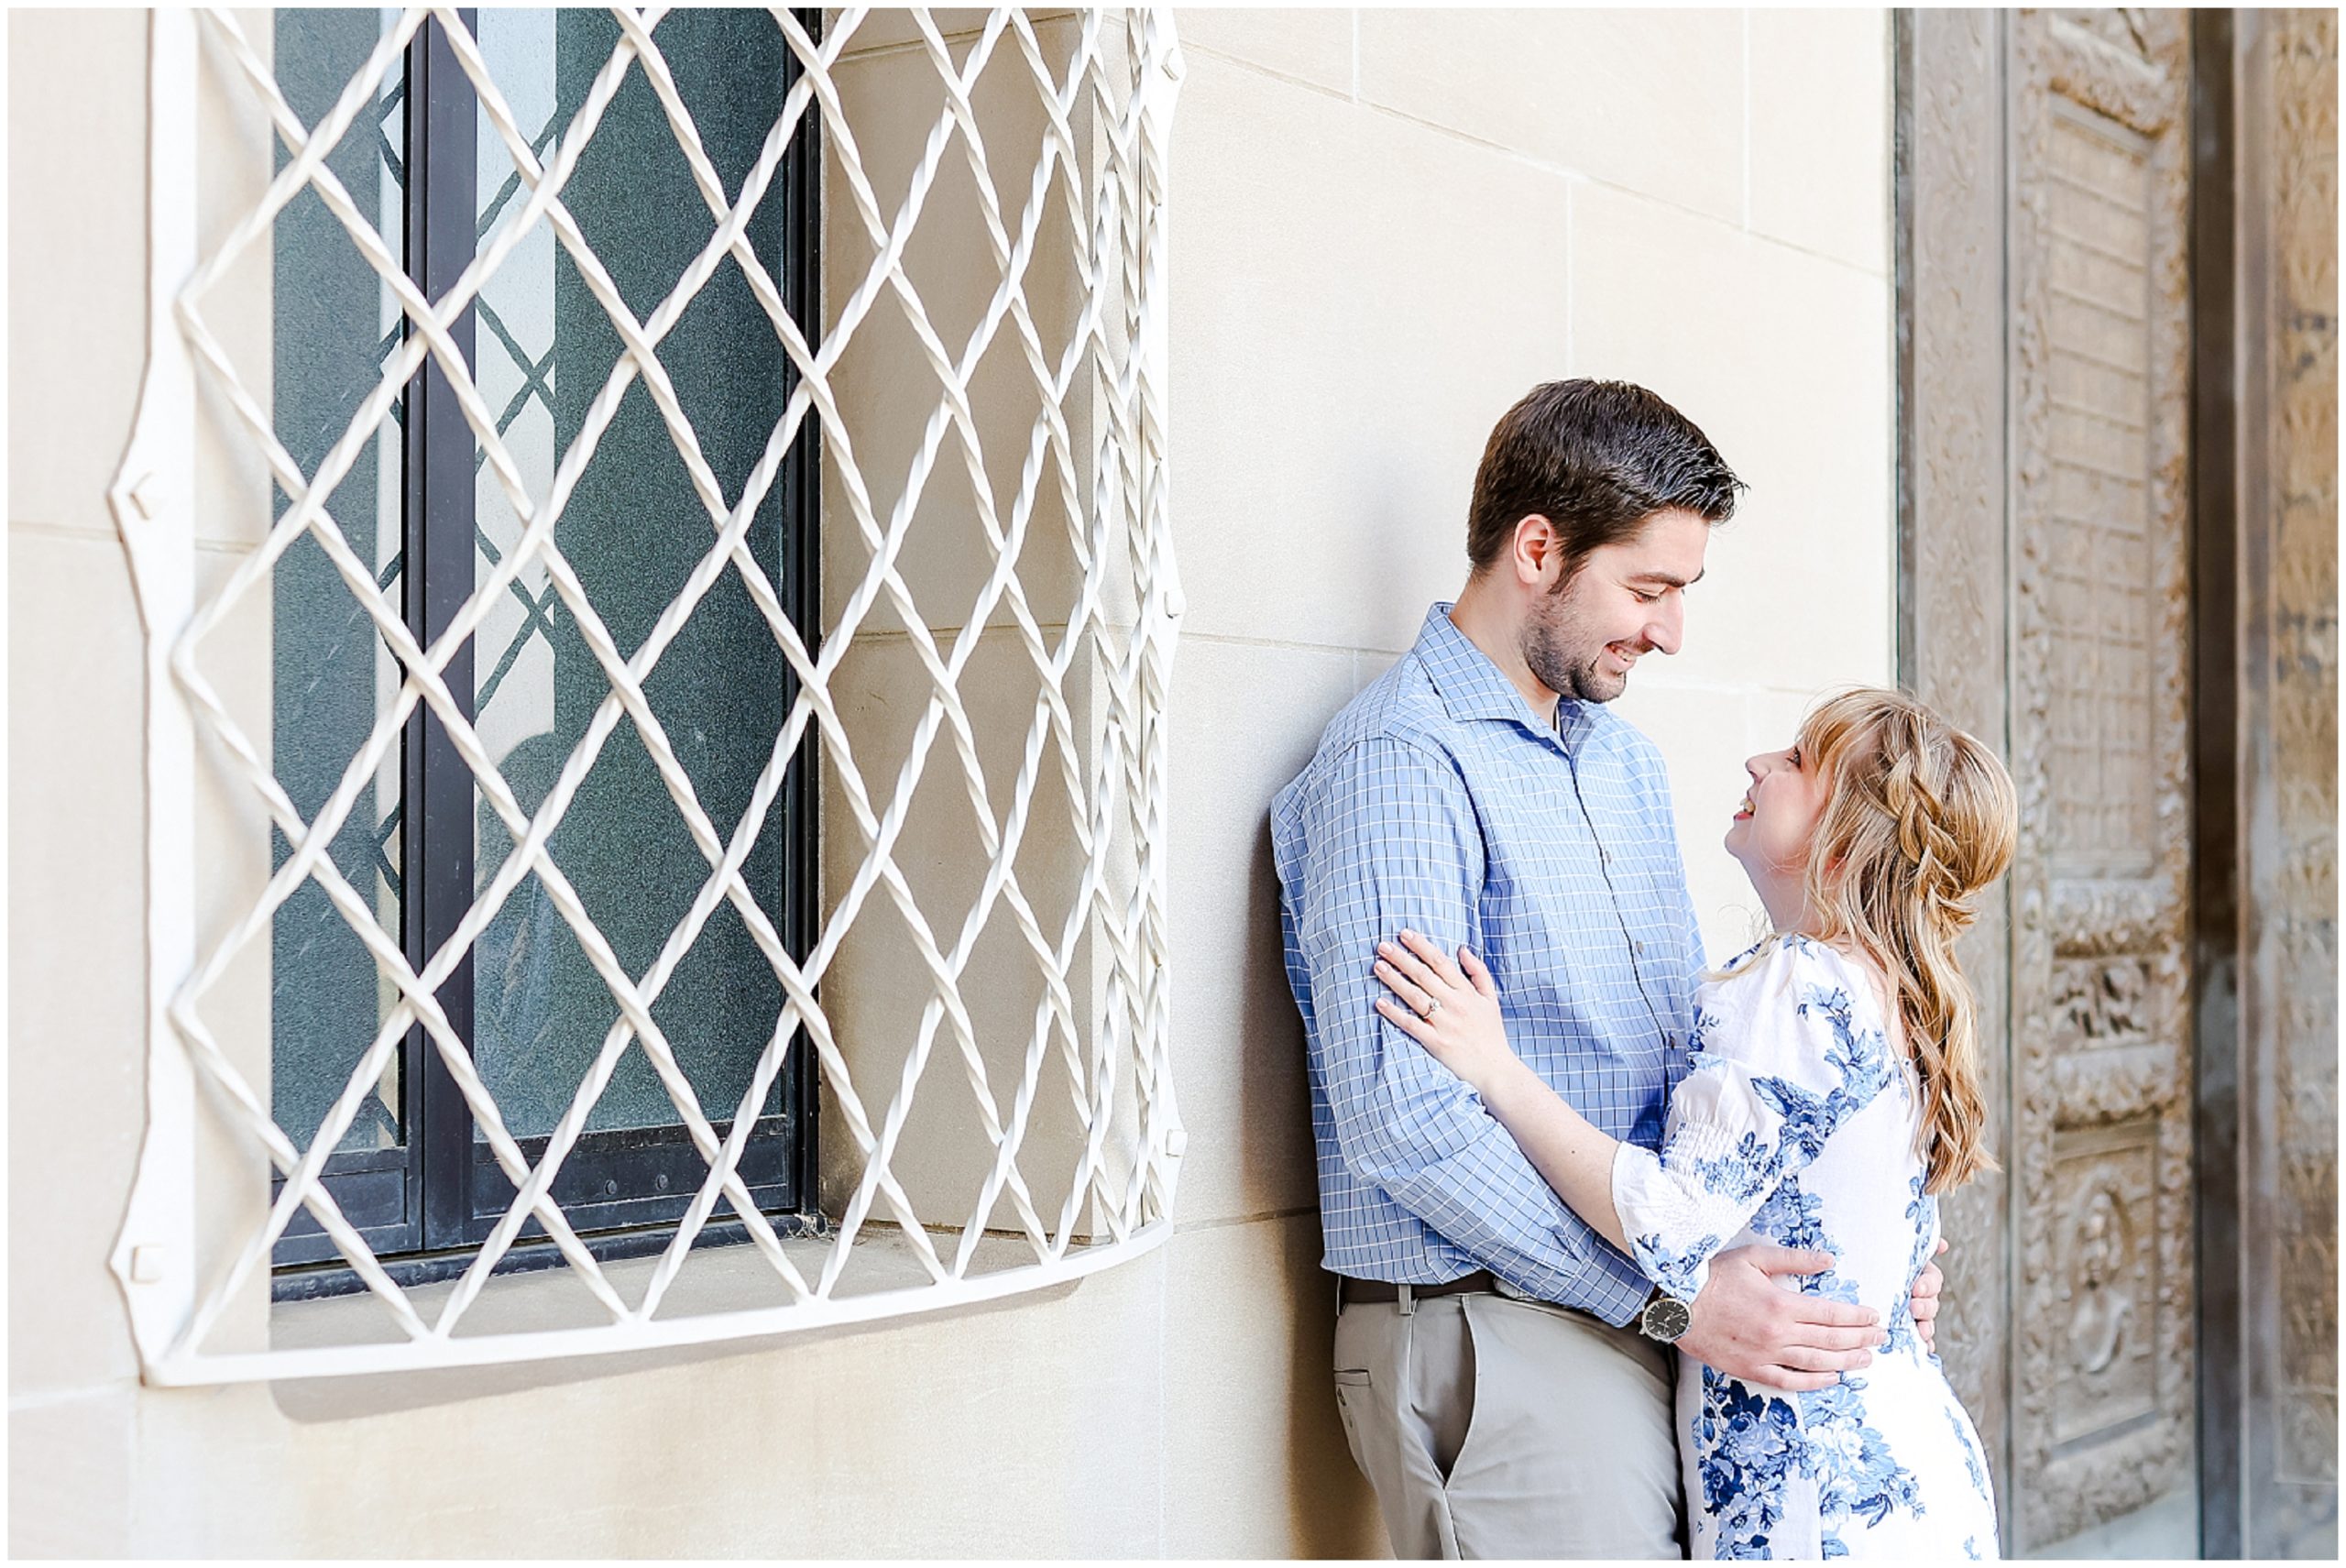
(471, 502)
(423, 506)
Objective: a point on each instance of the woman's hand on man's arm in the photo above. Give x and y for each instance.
(1452, 1008)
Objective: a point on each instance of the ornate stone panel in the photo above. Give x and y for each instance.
(2096, 314)
(2106, 1371)
(1954, 571)
(2288, 131)
(2042, 180)
(2100, 1152)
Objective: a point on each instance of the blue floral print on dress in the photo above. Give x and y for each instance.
(1923, 1211)
(1970, 1452)
(1859, 1478)
(1783, 1132)
(1752, 1447)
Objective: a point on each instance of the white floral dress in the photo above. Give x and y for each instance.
(1797, 1125)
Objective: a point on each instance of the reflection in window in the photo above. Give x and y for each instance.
(336, 323)
(412, 1172)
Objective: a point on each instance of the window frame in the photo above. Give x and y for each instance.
(451, 1193)
(192, 1256)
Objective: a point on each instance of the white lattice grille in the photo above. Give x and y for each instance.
(1086, 366)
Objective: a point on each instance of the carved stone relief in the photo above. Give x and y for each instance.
(2044, 603)
(2293, 128)
(2108, 1281)
(1954, 572)
(2098, 584)
(2099, 999)
(2100, 1149)
(2121, 27)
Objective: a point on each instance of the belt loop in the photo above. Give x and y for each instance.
(1408, 1301)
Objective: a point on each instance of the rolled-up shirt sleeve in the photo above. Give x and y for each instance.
(1397, 845)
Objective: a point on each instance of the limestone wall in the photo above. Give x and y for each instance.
(1392, 227)
(1386, 226)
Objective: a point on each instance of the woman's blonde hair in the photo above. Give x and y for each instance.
(1918, 818)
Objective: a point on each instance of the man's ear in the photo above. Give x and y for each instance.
(1533, 551)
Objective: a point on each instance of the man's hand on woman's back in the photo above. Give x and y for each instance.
(1749, 1327)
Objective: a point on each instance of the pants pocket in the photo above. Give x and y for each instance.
(1449, 1439)
(1352, 1385)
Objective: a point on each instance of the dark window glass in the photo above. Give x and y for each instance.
(429, 510)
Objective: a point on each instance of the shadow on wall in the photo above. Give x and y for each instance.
(1275, 1105)
(1331, 1512)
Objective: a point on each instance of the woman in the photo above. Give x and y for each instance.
(1832, 1095)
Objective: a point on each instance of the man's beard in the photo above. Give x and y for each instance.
(1560, 650)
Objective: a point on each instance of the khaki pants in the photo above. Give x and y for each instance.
(1493, 1427)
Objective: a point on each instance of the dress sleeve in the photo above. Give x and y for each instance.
(1782, 1055)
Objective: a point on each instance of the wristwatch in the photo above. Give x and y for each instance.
(1664, 1317)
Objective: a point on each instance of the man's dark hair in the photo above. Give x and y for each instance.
(1596, 460)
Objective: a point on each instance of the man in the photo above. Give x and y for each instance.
(1505, 1377)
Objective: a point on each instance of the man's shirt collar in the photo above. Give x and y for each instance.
(1472, 687)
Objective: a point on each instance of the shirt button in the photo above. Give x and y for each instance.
(1638, 948)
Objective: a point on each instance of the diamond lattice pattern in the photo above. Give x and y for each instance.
(1065, 904)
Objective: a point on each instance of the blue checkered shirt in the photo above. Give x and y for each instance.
(1438, 801)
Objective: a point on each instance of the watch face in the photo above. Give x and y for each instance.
(1666, 1318)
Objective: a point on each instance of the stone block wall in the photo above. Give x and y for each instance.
(1386, 226)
